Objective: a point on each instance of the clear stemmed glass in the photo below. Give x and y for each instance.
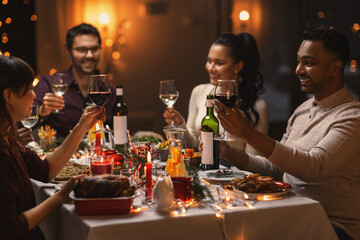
(168, 94)
(59, 85)
(99, 92)
(227, 93)
(31, 121)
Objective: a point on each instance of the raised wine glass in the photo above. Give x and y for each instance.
(30, 121)
(168, 94)
(99, 92)
(59, 85)
(227, 93)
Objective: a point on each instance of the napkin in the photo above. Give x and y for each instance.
(164, 194)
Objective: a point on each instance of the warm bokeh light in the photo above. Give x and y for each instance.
(356, 26)
(115, 55)
(321, 14)
(5, 2)
(353, 66)
(36, 81)
(1, 53)
(122, 40)
(52, 71)
(110, 76)
(7, 54)
(104, 18)
(109, 42)
(0, 23)
(353, 63)
(244, 15)
(5, 39)
(8, 20)
(33, 17)
(126, 24)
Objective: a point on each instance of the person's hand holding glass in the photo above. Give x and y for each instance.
(99, 92)
(227, 93)
(168, 94)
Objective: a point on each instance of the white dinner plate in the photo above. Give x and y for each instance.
(209, 174)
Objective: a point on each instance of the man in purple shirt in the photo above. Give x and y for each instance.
(83, 43)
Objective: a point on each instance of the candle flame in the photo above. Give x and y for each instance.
(149, 156)
(97, 127)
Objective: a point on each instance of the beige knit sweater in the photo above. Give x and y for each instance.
(320, 155)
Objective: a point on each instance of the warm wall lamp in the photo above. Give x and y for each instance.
(244, 15)
(104, 18)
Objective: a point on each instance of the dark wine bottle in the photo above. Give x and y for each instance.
(120, 112)
(209, 129)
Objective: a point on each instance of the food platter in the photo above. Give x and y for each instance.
(223, 176)
(284, 188)
(71, 169)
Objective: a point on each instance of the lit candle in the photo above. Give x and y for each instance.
(148, 173)
(98, 136)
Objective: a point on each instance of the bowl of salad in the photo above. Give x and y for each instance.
(163, 149)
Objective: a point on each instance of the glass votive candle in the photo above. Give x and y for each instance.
(102, 164)
(118, 157)
(141, 149)
(182, 188)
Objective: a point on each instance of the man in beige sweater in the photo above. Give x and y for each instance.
(320, 152)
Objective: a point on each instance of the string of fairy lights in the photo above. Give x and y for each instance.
(7, 21)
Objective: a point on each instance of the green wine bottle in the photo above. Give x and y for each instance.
(209, 129)
(120, 112)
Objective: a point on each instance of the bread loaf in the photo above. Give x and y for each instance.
(105, 186)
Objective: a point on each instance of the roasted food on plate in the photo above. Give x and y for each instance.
(103, 186)
(253, 184)
(72, 169)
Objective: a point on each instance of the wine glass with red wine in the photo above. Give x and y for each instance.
(227, 93)
(99, 92)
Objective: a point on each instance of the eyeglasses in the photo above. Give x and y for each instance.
(84, 50)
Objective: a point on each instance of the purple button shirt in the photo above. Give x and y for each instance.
(75, 104)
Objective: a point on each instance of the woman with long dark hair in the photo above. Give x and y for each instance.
(230, 57)
(19, 215)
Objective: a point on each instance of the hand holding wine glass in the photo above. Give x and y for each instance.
(59, 85)
(227, 93)
(99, 92)
(168, 94)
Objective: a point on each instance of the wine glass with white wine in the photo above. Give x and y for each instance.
(168, 94)
(59, 85)
(31, 121)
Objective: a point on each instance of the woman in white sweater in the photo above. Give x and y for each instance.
(230, 57)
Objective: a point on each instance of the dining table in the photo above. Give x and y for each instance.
(290, 217)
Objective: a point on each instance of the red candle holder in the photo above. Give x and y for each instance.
(118, 157)
(182, 188)
(101, 165)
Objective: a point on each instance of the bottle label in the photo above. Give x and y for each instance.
(120, 130)
(119, 91)
(207, 148)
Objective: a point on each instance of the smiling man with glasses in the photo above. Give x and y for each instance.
(83, 44)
